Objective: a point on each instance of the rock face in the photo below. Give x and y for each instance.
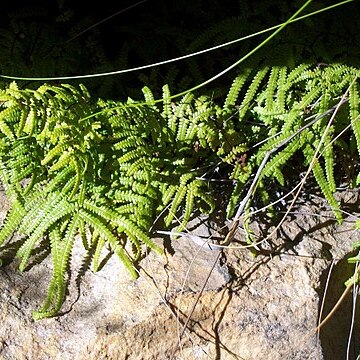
(263, 307)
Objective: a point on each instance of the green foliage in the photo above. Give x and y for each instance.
(99, 172)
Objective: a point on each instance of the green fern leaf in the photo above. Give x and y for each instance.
(235, 89)
(322, 182)
(106, 233)
(354, 103)
(251, 92)
(12, 221)
(52, 212)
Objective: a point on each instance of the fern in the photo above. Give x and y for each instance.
(354, 112)
(234, 91)
(97, 173)
(325, 187)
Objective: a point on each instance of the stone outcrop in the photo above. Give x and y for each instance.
(263, 307)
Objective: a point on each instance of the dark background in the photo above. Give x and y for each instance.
(55, 38)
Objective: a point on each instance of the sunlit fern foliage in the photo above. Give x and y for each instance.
(280, 102)
(68, 173)
(77, 169)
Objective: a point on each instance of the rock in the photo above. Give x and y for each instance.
(263, 307)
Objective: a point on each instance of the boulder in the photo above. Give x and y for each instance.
(249, 307)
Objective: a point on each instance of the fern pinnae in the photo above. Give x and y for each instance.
(78, 176)
(131, 228)
(182, 128)
(148, 95)
(61, 250)
(281, 90)
(12, 221)
(84, 236)
(4, 127)
(272, 84)
(189, 206)
(69, 185)
(131, 155)
(35, 210)
(166, 95)
(129, 265)
(62, 176)
(54, 214)
(354, 103)
(98, 225)
(130, 141)
(103, 211)
(31, 184)
(103, 231)
(56, 151)
(298, 74)
(234, 198)
(308, 98)
(100, 243)
(51, 291)
(123, 224)
(272, 168)
(322, 182)
(235, 89)
(138, 186)
(179, 112)
(178, 198)
(22, 120)
(138, 166)
(206, 199)
(67, 246)
(167, 193)
(135, 246)
(61, 162)
(31, 122)
(278, 175)
(26, 172)
(326, 190)
(328, 155)
(251, 92)
(128, 196)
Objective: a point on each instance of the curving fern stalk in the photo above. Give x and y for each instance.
(99, 172)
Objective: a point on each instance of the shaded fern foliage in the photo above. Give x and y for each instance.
(78, 169)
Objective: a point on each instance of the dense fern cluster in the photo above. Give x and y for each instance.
(282, 102)
(99, 172)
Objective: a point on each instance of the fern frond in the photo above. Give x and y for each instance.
(8, 115)
(328, 155)
(251, 92)
(104, 232)
(235, 89)
(272, 168)
(179, 112)
(13, 220)
(179, 197)
(56, 151)
(281, 90)
(298, 74)
(166, 102)
(322, 182)
(148, 95)
(61, 250)
(51, 213)
(354, 104)
(100, 243)
(272, 85)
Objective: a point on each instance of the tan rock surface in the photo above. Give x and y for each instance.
(251, 308)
